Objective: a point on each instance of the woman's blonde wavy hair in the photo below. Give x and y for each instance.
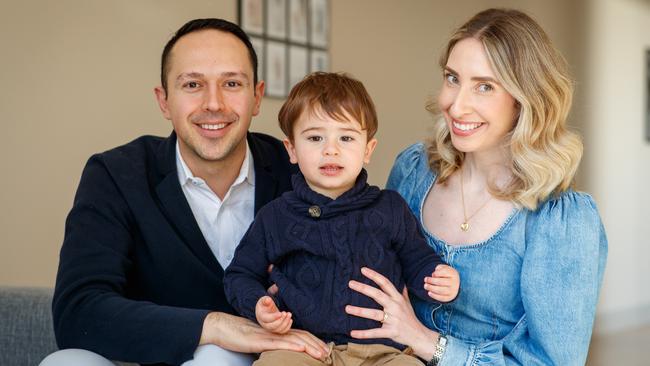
(545, 155)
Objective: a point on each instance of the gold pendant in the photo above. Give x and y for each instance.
(464, 226)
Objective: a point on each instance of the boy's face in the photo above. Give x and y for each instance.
(330, 153)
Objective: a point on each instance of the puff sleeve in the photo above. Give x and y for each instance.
(562, 271)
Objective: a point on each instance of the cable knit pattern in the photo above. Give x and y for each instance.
(316, 252)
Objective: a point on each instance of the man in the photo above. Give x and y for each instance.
(155, 222)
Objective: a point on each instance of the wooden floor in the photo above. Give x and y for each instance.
(629, 348)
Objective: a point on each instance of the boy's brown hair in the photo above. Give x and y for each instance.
(335, 94)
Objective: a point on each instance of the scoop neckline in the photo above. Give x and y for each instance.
(482, 243)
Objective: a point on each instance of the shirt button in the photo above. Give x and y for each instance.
(314, 211)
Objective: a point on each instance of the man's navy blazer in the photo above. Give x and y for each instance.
(136, 277)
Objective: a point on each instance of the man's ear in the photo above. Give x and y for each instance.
(259, 94)
(291, 150)
(370, 147)
(161, 97)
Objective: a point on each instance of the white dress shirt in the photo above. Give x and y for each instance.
(223, 223)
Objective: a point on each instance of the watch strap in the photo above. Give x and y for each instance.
(439, 352)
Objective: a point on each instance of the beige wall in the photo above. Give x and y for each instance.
(618, 168)
(78, 77)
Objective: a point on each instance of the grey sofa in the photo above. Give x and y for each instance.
(26, 331)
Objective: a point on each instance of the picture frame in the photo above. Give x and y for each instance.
(647, 93)
(319, 23)
(290, 38)
(319, 61)
(276, 19)
(276, 69)
(251, 16)
(298, 10)
(298, 64)
(258, 46)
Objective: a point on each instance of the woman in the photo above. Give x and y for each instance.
(492, 190)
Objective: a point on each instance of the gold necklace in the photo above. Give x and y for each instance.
(465, 225)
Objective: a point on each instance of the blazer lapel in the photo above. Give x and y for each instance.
(177, 209)
(266, 184)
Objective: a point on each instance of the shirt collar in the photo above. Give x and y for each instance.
(246, 172)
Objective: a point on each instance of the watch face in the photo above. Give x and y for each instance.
(442, 341)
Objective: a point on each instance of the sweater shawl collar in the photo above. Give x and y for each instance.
(303, 199)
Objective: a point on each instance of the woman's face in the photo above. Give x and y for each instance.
(479, 112)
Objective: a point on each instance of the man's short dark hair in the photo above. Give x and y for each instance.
(203, 24)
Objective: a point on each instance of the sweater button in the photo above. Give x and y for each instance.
(314, 211)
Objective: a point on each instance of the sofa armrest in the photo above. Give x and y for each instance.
(26, 330)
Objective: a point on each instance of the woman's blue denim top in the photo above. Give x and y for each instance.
(528, 293)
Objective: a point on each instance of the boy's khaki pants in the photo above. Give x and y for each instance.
(343, 355)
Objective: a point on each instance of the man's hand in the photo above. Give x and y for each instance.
(270, 317)
(443, 284)
(242, 335)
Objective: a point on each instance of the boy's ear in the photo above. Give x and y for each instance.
(291, 150)
(370, 147)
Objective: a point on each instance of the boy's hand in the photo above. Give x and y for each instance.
(443, 284)
(270, 317)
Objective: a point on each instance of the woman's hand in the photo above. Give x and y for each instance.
(399, 322)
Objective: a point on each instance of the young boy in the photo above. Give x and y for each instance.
(320, 235)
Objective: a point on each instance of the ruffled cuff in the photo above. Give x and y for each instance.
(458, 352)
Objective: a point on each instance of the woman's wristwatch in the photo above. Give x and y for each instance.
(439, 352)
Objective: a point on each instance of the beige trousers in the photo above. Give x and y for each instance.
(343, 355)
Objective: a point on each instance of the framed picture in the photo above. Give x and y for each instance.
(258, 45)
(298, 65)
(319, 23)
(319, 61)
(290, 37)
(298, 21)
(276, 19)
(647, 94)
(251, 16)
(276, 69)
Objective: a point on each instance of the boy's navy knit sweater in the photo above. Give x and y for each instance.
(317, 245)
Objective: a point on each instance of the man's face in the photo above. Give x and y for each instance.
(211, 96)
